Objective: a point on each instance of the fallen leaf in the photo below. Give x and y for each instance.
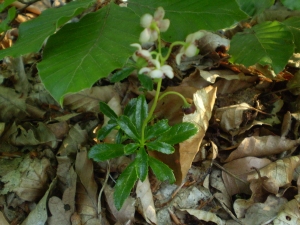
(205, 215)
(290, 214)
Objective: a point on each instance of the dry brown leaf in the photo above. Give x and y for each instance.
(210, 41)
(262, 146)
(290, 214)
(57, 209)
(205, 215)
(3, 221)
(286, 124)
(88, 99)
(262, 187)
(146, 206)
(280, 171)
(241, 168)
(59, 129)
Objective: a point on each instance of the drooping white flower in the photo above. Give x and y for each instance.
(158, 71)
(150, 34)
(189, 49)
(140, 52)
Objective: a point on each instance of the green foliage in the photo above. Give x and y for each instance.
(293, 23)
(254, 7)
(4, 25)
(291, 4)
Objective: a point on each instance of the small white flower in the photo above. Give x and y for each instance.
(150, 34)
(189, 49)
(140, 52)
(158, 71)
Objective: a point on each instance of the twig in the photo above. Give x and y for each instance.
(102, 189)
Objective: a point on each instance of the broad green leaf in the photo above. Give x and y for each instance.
(4, 25)
(293, 23)
(157, 129)
(121, 74)
(190, 16)
(124, 185)
(141, 165)
(161, 147)
(291, 4)
(130, 107)
(102, 152)
(146, 81)
(161, 170)
(107, 111)
(130, 148)
(178, 133)
(128, 127)
(254, 7)
(268, 43)
(104, 131)
(33, 33)
(140, 112)
(81, 53)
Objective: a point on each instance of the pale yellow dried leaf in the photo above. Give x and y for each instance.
(289, 215)
(286, 124)
(56, 207)
(205, 215)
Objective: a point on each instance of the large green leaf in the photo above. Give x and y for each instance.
(293, 23)
(107, 111)
(33, 33)
(141, 165)
(254, 7)
(140, 113)
(161, 170)
(81, 53)
(161, 147)
(157, 129)
(190, 16)
(102, 152)
(291, 4)
(128, 127)
(124, 185)
(268, 43)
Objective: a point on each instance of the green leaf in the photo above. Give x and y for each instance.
(105, 130)
(161, 147)
(178, 133)
(102, 152)
(191, 16)
(33, 33)
(130, 148)
(157, 129)
(107, 111)
(146, 81)
(161, 170)
(130, 107)
(254, 7)
(4, 25)
(81, 53)
(121, 74)
(119, 137)
(128, 127)
(5, 4)
(291, 4)
(141, 165)
(140, 112)
(293, 23)
(124, 185)
(268, 43)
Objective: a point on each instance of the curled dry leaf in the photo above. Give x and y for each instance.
(205, 215)
(280, 171)
(262, 146)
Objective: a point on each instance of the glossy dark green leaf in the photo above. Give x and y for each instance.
(124, 185)
(161, 170)
(178, 133)
(121, 74)
(146, 81)
(107, 111)
(161, 147)
(140, 113)
(128, 127)
(130, 107)
(102, 152)
(119, 137)
(141, 164)
(104, 131)
(130, 148)
(157, 129)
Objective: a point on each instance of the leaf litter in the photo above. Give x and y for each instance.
(251, 134)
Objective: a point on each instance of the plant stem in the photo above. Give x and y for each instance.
(163, 59)
(185, 103)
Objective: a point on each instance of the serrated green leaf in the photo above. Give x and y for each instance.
(140, 112)
(124, 185)
(121, 74)
(130, 107)
(130, 148)
(141, 165)
(268, 43)
(178, 133)
(107, 111)
(33, 33)
(161, 170)
(4, 25)
(81, 53)
(146, 81)
(105, 130)
(254, 7)
(197, 15)
(157, 129)
(293, 23)
(291, 4)
(161, 147)
(128, 127)
(102, 152)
